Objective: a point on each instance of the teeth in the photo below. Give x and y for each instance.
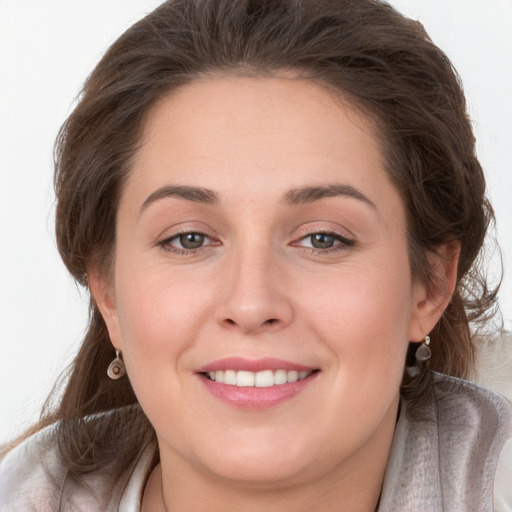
(262, 379)
(230, 377)
(293, 376)
(245, 379)
(280, 377)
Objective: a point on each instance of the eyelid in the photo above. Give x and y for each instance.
(338, 232)
(343, 241)
(165, 241)
(179, 235)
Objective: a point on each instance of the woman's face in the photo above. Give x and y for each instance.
(260, 241)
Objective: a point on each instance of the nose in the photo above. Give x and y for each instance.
(255, 297)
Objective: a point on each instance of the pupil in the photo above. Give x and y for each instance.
(192, 240)
(322, 241)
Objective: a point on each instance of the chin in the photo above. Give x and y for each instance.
(257, 460)
(259, 472)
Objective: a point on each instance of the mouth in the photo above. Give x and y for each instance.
(256, 384)
(261, 379)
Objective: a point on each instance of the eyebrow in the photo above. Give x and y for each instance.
(195, 194)
(310, 194)
(296, 196)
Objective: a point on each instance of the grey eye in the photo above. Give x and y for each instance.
(192, 240)
(322, 241)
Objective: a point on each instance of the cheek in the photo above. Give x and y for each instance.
(364, 300)
(154, 316)
(156, 329)
(364, 315)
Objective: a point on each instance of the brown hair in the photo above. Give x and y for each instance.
(382, 61)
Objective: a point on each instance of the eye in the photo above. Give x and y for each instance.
(187, 241)
(325, 241)
(322, 241)
(191, 240)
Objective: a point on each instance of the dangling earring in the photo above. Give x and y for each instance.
(116, 368)
(424, 353)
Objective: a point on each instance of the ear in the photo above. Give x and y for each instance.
(431, 299)
(103, 294)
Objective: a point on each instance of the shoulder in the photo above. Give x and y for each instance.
(461, 403)
(30, 474)
(473, 420)
(445, 451)
(33, 478)
(487, 417)
(494, 418)
(503, 481)
(474, 427)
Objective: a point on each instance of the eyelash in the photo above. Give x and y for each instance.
(343, 243)
(166, 243)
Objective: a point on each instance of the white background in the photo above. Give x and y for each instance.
(48, 47)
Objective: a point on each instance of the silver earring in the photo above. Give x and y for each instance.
(116, 368)
(424, 353)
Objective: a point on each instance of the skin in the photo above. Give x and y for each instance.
(257, 288)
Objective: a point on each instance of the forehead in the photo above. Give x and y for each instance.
(258, 135)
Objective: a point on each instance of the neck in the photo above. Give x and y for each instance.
(359, 496)
(353, 486)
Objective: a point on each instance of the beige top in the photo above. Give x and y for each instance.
(444, 458)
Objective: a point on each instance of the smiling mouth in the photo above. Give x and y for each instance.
(262, 379)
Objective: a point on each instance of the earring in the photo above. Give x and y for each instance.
(424, 353)
(116, 368)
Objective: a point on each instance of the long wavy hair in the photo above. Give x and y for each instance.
(384, 63)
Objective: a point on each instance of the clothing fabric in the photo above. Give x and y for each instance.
(445, 453)
(453, 453)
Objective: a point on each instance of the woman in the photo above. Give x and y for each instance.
(277, 208)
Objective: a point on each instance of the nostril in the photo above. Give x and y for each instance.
(251, 320)
(269, 322)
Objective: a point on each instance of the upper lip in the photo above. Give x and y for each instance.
(252, 365)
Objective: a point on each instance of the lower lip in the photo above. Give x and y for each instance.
(252, 397)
